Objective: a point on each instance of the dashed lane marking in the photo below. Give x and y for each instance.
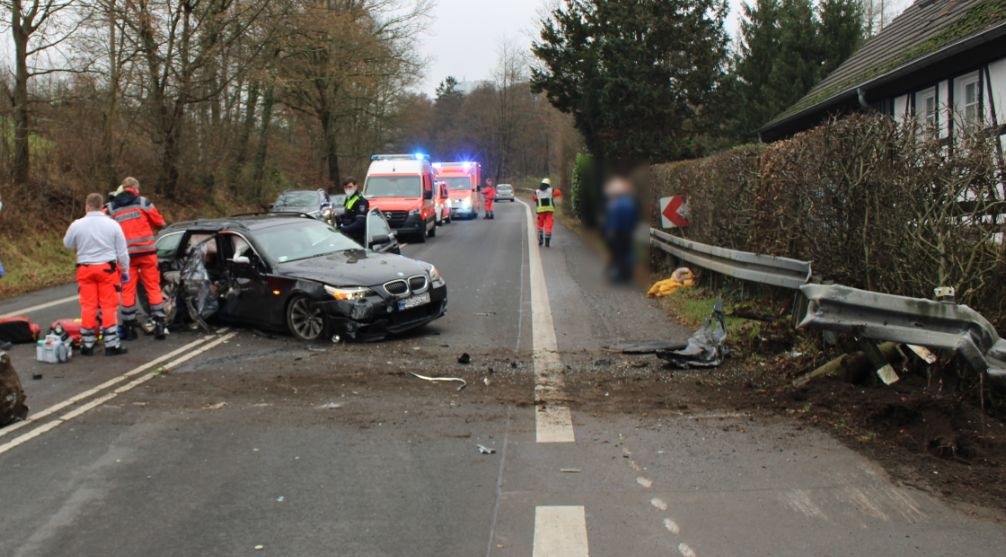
(685, 550)
(553, 420)
(107, 384)
(560, 532)
(46, 305)
(53, 424)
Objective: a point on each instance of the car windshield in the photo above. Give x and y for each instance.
(301, 240)
(393, 186)
(296, 200)
(458, 183)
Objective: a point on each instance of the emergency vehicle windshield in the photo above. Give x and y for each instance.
(301, 241)
(393, 186)
(458, 183)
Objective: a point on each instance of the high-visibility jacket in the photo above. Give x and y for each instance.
(544, 200)
(139, 220)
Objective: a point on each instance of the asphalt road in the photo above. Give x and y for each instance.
(251, 444)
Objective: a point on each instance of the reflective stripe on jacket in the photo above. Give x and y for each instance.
(139, 220)
(544, 200)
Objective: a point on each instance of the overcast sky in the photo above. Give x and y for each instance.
(465, 35)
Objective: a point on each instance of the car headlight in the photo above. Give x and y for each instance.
(414, 212)
(435, 276)
(349, 294)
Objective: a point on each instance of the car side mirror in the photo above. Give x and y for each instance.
(378, 239)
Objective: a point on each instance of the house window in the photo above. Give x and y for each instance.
(928, 112)
(970, 96)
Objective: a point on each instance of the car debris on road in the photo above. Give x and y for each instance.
(485, 450)
(443, 379)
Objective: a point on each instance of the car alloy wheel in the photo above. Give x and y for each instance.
(304, 319)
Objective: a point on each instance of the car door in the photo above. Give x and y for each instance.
(249, 298)
(379, 235)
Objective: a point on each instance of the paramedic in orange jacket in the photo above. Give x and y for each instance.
(544, 203)
(488, 198)
(140, 221)
(102, 264)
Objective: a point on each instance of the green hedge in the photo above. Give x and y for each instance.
(871, 202)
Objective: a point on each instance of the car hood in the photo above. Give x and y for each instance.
(356, 267)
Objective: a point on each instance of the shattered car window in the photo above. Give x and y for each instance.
(302, 240)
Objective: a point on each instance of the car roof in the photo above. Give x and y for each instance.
(241, 222)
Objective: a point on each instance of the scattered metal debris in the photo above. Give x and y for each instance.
(705, 347)
(486, 450)
(443, 379)
(465, 359)
(645, 347)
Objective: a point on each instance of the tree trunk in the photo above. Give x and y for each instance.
(22, 160)
(331, 147)
(244, 136)
(263, 140)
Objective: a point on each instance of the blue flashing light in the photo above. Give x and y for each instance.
(421, 156)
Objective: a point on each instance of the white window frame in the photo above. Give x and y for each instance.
(929, 122)
(962, 87)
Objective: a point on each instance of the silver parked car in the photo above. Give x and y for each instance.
(504, 192)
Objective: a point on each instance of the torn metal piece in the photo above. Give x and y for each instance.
(706, 346)
(924, 354)
(486, 450)
(443, 379)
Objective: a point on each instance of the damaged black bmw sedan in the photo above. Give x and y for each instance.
(297, 274)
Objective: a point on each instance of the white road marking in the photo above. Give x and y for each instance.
(107, 384)
(24, 438)
(672, 526)
(560, 532)
(645, 482)
(53, 303)
(554, 422)
(658, 503)
(685, 551)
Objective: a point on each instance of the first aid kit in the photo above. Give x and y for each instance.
(53, 349)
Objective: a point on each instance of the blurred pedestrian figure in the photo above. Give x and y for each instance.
(140, 221)
(101, 255)
(620, 220)
(489, 197)
(544, 203)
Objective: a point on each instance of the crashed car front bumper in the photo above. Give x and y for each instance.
(375, 317)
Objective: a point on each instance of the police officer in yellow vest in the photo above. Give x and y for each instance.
(353, 222)
(544, 202)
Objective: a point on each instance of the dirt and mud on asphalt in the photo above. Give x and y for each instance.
(924, 439)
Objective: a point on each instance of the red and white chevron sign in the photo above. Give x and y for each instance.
(674, 211)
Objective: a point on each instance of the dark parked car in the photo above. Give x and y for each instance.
(308, 202)
(295, 273)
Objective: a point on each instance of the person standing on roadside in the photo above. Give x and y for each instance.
(544, 204)
(620, 220)
(101, 254)
(140, 221)
(488, 198)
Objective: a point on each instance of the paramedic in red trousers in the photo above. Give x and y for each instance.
(544, 203)
(488, 198)
(101, 255)
(140, 221)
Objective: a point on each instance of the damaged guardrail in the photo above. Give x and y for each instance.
(907, 320)
(764, 269)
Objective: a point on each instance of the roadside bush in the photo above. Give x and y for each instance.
(872, 203)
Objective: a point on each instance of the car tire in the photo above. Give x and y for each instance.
(433, 232)
(304, 319)
(421, 237)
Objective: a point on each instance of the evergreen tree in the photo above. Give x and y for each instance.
(634, 74)
(842, 31)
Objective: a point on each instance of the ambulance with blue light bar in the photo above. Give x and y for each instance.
(463, 179)
(402, 187)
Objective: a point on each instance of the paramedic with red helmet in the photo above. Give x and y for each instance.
(544, 203)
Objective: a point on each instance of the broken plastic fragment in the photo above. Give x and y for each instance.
(486, 450)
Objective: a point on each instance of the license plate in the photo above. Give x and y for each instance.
(414, 301)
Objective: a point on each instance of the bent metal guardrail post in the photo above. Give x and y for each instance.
(907, 320)
(765, 269)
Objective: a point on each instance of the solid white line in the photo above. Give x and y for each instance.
(22, 439)
(560, 532)
(553, 423)
(26, 310)
(110, 383)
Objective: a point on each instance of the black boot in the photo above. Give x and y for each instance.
(548, 241)
(160, 328)
(541, 239)
(131, 330)
(115, 350)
